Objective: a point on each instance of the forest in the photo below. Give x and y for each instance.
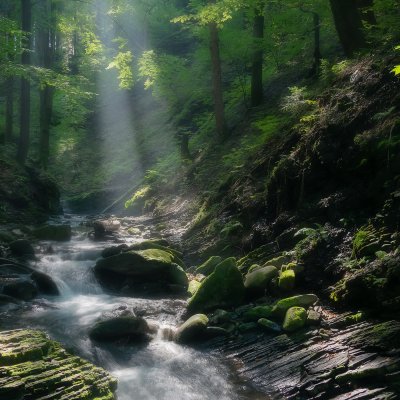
(199, 199)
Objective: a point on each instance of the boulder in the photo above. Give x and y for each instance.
(269, 326)
(22, 248)
(313, 317)
(21, 289)
(303, 300)
(257, 282)
(121, 327)
(223, 288)
(58, 233)
(45, 283)
(159, 244)
(193, 287)
(287, 280)
(193, 329)
(209, 266)
(255, 313)
(152, 265)
(295, 319)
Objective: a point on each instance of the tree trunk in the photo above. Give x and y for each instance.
(258, 55)
(317, 40)
(9, 130)
(349, 25)
(25, 104)
(217, 82)
(47, 47)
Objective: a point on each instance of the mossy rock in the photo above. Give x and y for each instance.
(257, 282)
(269, 326)
(193, 329)
(295, 319)
(257, 256)
(255, 313)
(302, 300)
(149, 265)
(34, 367)
(297, 268)
(209, 266)
(160, 245)
(193, 287)
(223, 288)
(287, 280)
(22, 248)
(255, 267)
(279, 262)
(59, 233)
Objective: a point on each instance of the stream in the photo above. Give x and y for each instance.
(158, 370)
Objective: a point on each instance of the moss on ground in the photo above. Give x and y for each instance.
(32, 366)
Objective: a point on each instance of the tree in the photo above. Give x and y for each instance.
(47, 49)
(258, 55)
(349, 25)
(25, 103)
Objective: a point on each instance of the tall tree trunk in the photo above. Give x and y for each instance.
(217, 82)
(9, 129)
(348, 25)
(317, 40)
(25, 104)
(47, 49)
(258, 55)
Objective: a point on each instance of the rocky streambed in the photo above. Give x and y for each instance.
(123, 299)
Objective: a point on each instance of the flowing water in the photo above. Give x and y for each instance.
(158, 370)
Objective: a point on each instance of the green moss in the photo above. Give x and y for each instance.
(303, 300)
(255, 313)
(34, 366)
(224, 287)
(209, 266)
(193, 287)
(295, 319)
(287, 280)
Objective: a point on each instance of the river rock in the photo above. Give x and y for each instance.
(121, 327)
(193, 287)
(58, 233)
(152, 265)
(21, 289)
(45, 283)
(209, 266)
(223, 288)
(255, 313)
(257, 282)
(22, 248)
(295, 319)
(193, 329)
(114, 250)
(269, 326)
(303, 300)
(287, 280)
(33, 367)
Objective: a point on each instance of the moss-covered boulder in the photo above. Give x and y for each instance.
(209, 266)
(269, 326)
(257, 282)
(121, 327)
(295, 319)
(159, 244)
(287, 280)
(34, 367)
(151, 265)
(193, 287)
(193, 329)
(302, 300)
(223, 288)
(20, 288)
(59, 233)
(255, 313)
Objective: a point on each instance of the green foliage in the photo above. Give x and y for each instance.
(396, 69)
(123, 64)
